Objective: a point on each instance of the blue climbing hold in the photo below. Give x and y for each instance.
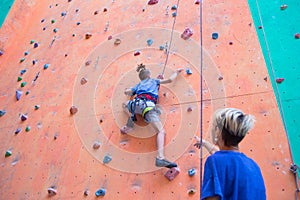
(192, 172)
(100, 192)
(161, 47)
(55, 30)
(2, 112)
(63, 14)
(149, 42)
(26, 53)
(174, 14)
(23, 71)
(174, 7)
(107, 159)
(18, 94)
(215, 36)
(189, 71)
(46, 66)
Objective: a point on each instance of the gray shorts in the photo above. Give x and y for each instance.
(152, 115)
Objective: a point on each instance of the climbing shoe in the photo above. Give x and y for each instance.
(164, 163)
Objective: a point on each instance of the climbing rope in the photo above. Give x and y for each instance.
(276, 90)
(171, 39)
(201, 94)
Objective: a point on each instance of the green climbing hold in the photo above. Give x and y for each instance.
(27, 129)
(52, 21)
(8, 153)
(23, 84)
(31, 41)
(19, 78)
(27, 92)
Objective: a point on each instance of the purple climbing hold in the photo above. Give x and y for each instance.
(18, 94)
(1, 52)
(152, 2)
(24, 117)
(36, 45)
(18, 131)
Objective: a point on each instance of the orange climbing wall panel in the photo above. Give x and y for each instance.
(58, 150)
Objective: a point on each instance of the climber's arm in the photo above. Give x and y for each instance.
(172, 77)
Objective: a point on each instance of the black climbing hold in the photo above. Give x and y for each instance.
(26, 53)
(18, 94)
(2, 112)
(36, 107)
(214, 36)
(22, 60)
(55, 30)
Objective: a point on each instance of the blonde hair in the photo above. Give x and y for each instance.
(143, 72)
(234, 121)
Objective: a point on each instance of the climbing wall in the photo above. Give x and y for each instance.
(64, 66)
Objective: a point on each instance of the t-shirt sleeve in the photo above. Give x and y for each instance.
(211, 183)
(134, 89)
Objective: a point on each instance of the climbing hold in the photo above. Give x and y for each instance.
(259, 27)
(297, 35)
(109, 37)
(77, 10)
(161, 47)
(104, 9)
(18, 94)
(188, 71)
(73, 110)
(8, 153)
(78, 23)
(27, 92)
(51, 191)
(22, 60)
(34, 62)
(86, 193)
(149, 42)
(27, 129)
(283, 7)
(23, 71)
(107, 159)
(36, 45)
(2, 112)
(31, 41)
(87, 63)
(52, 21)
(230, 43)
(18, 131)
(36, 107)
(266, 78)
(187, 33)
(189, 109)
(279, 80)
(83, 81)
(191, 191)
(55, 30)
(1, 53)
(137, 53)
(26, 53)
(73, 35)
(96, 145)
(174, 7)
(172, 173)
(24, 117)
(23, 84)
(63, 14)
(88, 36)
(152, 2)
(220, 78)
(46, 66)
(117, 41)
(174, 14)
(55, 136)
(214, 36)
(96, 12)
(100, 192)
(192, 172)
(197, 2)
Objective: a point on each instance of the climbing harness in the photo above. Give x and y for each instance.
(141, 104)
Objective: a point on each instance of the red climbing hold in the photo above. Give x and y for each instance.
(88, 36)
(137, 53)
(152, 2)
(297, 35)
(73, 110)
(187, 33)
(172, 173)
(197, 2)
(279, 80)
(83, 81)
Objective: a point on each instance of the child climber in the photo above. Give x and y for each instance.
(144, 104)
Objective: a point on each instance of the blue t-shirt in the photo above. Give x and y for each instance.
(148, 86)
(232, 176)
